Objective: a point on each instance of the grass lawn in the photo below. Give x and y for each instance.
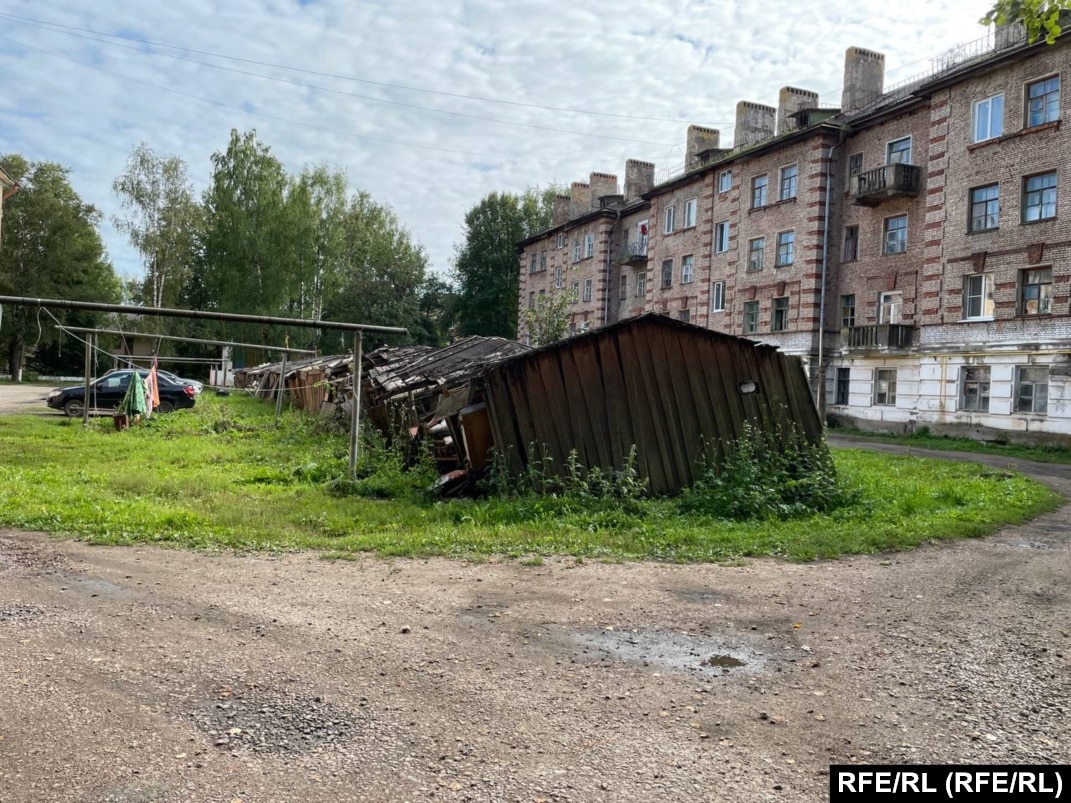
(223, 476)
(924, 440)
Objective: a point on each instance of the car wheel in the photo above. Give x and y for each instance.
(165, 407)
(73, 408)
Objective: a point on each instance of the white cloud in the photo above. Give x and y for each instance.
(686, 61)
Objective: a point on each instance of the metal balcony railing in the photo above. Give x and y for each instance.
(882, 336)
(888, 181)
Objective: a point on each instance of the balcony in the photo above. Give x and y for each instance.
(634, 254)
(882, 337)
(885, 182)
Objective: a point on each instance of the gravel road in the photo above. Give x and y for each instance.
(147, 674)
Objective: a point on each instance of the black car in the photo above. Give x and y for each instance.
(107, 393)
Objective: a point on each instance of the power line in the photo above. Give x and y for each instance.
(323, 74)
(320, 88)
(286, 120)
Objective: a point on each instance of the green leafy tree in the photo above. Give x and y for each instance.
(548, 321)
(51, 249)
(485, 265)
(162, 219)
(1039, 17)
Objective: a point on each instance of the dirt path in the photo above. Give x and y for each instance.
(24, 398)
(145, 674)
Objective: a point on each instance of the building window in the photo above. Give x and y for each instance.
(559, 277)
(987, 118)
(885, 387)
(985, 208)
(689, 212)
(667, 273)
(1031, 389)
(589, 245)
(685, 315)
(560, 243)
(574, 294)
(641, 284)
(789, 175)
(851, 243)
(1039, 197)
(974, 389)
(978, 297)
(669, 219)
(725, 180)
(622, 292)
(847, 311)
(759, 185)
(1043, 101)
(844, 376)
(532, 262)
(896, 234)
(786, 249)
(542, 261)
(898, 152)
(687, 269)
(721, 237)
(779, 319)
(756, 253)
(855, 164)
(531, 299)
(717, 297)
(572, 328)
(891, 307)
(587, 289)
(576, 249)
(751, 317)
(1035, 291)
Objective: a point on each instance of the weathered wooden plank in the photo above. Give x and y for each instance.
(592, 388)
(672, 426)
(649, 459)
(504, 416)
(559, 439)
(663, 472)
(574, 382)
(619, 420)
(692, 407)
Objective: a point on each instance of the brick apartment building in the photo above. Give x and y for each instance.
(936, 214)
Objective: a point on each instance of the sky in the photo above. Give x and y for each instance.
(428, 105)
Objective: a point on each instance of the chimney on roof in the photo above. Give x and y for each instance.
(580, 195)
(864, 78)
(561, 206)
(699, 139)
(639, 178)
(789, 101)
(601, 184)
(754, 123)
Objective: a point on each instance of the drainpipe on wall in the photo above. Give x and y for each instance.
(820, 389)
(609, 267)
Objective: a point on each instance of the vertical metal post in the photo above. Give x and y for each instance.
(279, 393)
(355, 408)
(85, 394)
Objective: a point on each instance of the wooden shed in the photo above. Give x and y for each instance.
(666, 387)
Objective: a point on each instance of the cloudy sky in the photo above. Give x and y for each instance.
(426, 104)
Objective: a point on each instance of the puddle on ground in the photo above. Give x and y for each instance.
(708, 655)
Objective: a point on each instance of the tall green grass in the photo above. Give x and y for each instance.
(224, 476)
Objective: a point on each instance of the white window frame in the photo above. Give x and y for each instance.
(983, 110)
(889, 150)
(725, 181)
(795, 182)
(588, 284)
(666, 263)
(687, 269)
(691, 206)
(559, 277)
(721, 237)
(641, 284)
(747, 327)
(561, 240)
(790, 251)
(978, 290)
(774, 310)
(717, 296)
(589, 245)
(891, 306)
(576, 250)
(669, 219)
(622, 293)
(574, 292)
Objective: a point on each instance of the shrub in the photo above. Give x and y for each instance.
(764, 475)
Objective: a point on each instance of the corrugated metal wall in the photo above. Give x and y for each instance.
(666, 387)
